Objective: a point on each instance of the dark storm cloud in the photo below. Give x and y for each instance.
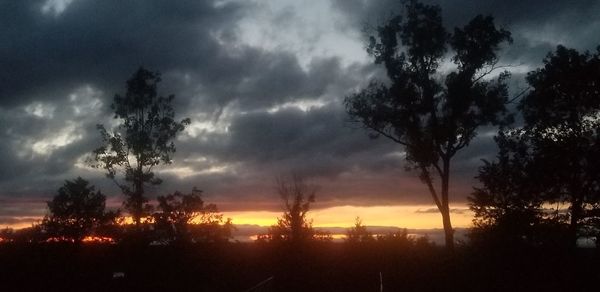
(277, 110)
(537, 25)
(102, 42)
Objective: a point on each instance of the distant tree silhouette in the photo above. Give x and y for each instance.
(431, 115)
(33, 234)
(143, 140)
(76, 211)
(399, 238)
(185, 218)
(553, 158)
(359, 233)
(6, 234)
(297, 195)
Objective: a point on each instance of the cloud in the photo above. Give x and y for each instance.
(435, 210)
(262, 82)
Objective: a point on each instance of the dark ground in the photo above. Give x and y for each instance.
(322, 267)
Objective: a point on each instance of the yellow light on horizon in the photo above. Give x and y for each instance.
(405, 216)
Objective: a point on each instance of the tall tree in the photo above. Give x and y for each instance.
(76, 211)
(562, 117)
(433, 115)
(560, 141)
(143, 140)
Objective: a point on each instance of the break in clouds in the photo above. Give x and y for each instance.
(262, 81)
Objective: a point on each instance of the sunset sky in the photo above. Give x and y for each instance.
(263, 83)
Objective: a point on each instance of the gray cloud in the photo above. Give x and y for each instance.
(257, 110)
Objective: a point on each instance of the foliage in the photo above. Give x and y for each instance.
(551, 160)
(432, 115)
(143, 139)
(33, 234)
(76, 211)
(359, 233)
(185, 218)
(399, 238)
(322, 236)
(297, 195)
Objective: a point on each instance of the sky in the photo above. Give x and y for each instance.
(263, 83)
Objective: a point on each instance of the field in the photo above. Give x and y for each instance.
(318, 267)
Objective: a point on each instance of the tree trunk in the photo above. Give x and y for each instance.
(448, 231)
(137, 200)
(445, 210)
(576, 212)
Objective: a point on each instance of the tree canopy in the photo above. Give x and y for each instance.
(76, 211)
(296, 195)
(431, 113)
(552, 158)
(142, 140)
(186, 218)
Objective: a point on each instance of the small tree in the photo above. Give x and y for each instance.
(76, 211)
(297, 195)
(359, 233)
(431, 115)
(185, 218)
(143, 140)
(6, 234)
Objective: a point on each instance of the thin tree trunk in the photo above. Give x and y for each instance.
(576, 210)
(445, 210)
(448, 231)
(138, 193)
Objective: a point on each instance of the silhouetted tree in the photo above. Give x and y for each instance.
(143, 140)
(6, 234)
(185, 218)
(509, 207)
(399, 239)
(76, 211)
(562, 115)
(297, 195)
(553, 158)
(431, 115)
(33, 234)
(359, 233)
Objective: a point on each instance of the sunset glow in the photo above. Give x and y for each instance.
(418, 216)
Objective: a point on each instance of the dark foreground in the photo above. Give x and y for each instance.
(322, 267)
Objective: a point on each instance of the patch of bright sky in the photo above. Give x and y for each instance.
(203, 123)
(184, 172)
(86, 101)
(303, 105)
(306, 28)
(406, 216)
(40, 110)
(55, 7)
(68, 134)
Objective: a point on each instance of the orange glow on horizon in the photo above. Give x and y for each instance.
(98, 239)
(413, 216)
(404, 216)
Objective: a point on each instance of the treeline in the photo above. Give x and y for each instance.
(78, 213)
(543, 188)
